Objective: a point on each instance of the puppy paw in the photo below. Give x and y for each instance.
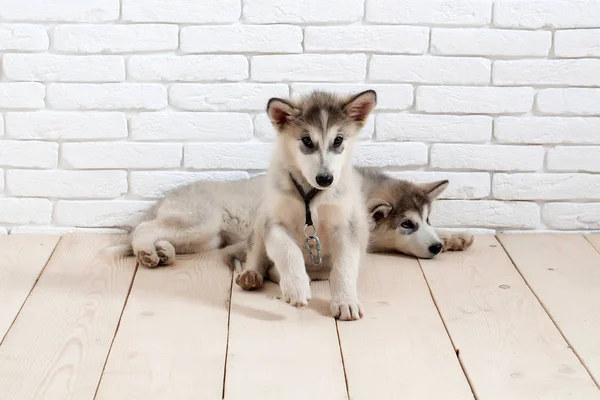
(148, 258)
(458, 241)
(165, 252)
(249, 280)
(346, 310)
(296, 290)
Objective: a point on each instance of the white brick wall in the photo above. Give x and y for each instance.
(106, 104)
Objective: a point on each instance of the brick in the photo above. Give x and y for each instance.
(547, 130)
(571, 215)
(446, 70)
(115, 38)
(59, 68)
(535, 14)
(463, 185)
(14, 153)
(51, 125)
(23, 37)
(188, 68)
(309, 67)
(242, 38)
(59, 230)
(191, 126)
(390, 154)
(389, 96)
(575, 158)
(302, 12)
(99, 155)
(181, 11)
(60, 10)
(66, 184)
(263, 128)
(448, 12)
(546, 186)
(490, 42)
(434, 128)
(386, 39)
(577, 43)
(100, 213)
(22, 95)
(570, 101)
(225, 96)
(485, 213)
(474, 100)
(107, 96)
(1, 180)
(547, 72)
(487, 157)
(252, 155)
(1, 125)
(25, 211)
(154, 184)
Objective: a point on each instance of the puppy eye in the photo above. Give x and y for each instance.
(308, 142)
(407, 224)
(337, 142)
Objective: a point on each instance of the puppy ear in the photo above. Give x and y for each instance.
(360, 106)
(281, 112)
(434, 189)
(379, 209)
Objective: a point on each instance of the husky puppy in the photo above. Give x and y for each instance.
(312, 221)
(206, 215)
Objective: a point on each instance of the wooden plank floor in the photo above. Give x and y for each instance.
(514, 317)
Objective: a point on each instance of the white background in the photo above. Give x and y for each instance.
(105, 104)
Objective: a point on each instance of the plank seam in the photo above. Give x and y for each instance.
(117, 329)
(456, 350)
(30, 291)
(337, 330)
(228, 325)
(541, 303)
(591, 244)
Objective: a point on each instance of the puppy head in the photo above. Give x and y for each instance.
(319, 132)
(400, 214)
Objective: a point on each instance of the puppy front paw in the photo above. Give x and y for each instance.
(458, 241)
(346, 310)
(295, 290)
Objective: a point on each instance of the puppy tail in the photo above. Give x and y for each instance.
(119, 250)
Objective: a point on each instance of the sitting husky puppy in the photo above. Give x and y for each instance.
(313, 221)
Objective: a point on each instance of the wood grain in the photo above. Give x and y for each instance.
(400, 349)
(22, 259)
(564, 272)
(508, 345)
(279, 352)
(57, 346)
(172, 338)
(594, 240)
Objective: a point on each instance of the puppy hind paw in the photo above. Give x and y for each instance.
(249, 280)
(148, 258)
(346, 310)
(165, 252)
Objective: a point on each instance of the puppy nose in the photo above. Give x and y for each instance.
(324, 180)
(435, 248)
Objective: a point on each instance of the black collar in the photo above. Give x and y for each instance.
(307, 197)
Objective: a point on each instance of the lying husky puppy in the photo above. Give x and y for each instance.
(312, 221)
(207, 215)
